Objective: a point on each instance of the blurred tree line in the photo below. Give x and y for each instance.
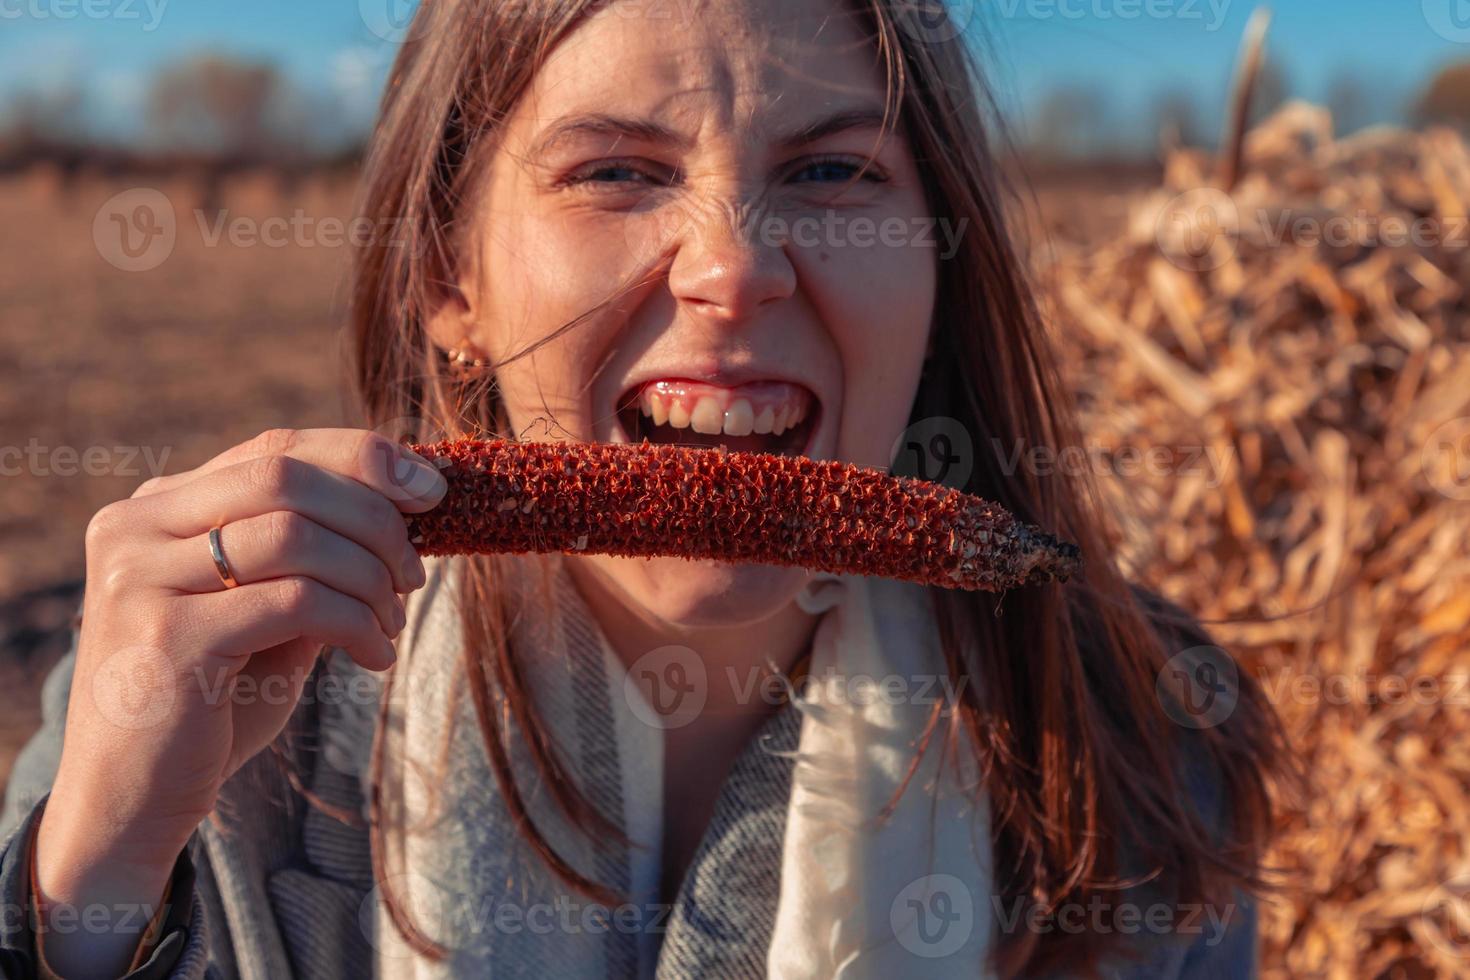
(1075, 122)
(1448, 98)
(211, 110)
(221, 112)
(231, 109)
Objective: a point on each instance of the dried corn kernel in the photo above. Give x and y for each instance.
(658, 500)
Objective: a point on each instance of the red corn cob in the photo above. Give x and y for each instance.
(655, 500)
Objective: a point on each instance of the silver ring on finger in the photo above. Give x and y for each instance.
(217, 552)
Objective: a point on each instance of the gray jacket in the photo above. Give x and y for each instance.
(270, 888)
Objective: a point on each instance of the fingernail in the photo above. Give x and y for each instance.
(418, 476)
(400, 616)
(413, 570)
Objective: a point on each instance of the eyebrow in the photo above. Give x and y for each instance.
(648, 131)
(600, 124)
(861, 117)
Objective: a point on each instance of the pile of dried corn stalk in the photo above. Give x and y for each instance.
(1296, 354)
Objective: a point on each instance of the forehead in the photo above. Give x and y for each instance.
(739, 66)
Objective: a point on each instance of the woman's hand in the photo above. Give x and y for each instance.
(180, 680)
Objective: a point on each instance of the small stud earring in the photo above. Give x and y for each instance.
(463, 365)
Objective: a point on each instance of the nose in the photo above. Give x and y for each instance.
(730, 262)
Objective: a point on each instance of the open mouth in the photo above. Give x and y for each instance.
(764, 416)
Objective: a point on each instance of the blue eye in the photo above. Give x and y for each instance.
(836, 170)
(609, 175)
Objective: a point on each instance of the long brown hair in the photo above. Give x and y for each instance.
(1080, 760)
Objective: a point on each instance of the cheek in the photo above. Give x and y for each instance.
(540, 276)
(878, 303)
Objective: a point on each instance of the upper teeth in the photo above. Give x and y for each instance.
(766, 420)
(739, 418)
(713, 413)
(707, 417)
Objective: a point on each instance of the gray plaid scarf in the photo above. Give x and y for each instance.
(794, 878)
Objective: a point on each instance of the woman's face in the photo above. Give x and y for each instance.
(704, 150)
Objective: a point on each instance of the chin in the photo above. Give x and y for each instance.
(704, 594)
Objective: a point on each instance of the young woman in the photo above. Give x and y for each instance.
(772, 224)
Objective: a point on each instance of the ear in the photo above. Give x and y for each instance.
(450, 324)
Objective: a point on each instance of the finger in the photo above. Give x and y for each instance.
(401, 475)
(276, 678)
(271, 483)
(284, 543)
(267, 614)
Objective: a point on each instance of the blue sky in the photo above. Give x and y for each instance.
(1391, 47)
(1129, 51)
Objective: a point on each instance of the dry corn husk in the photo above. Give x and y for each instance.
(1330, 379)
